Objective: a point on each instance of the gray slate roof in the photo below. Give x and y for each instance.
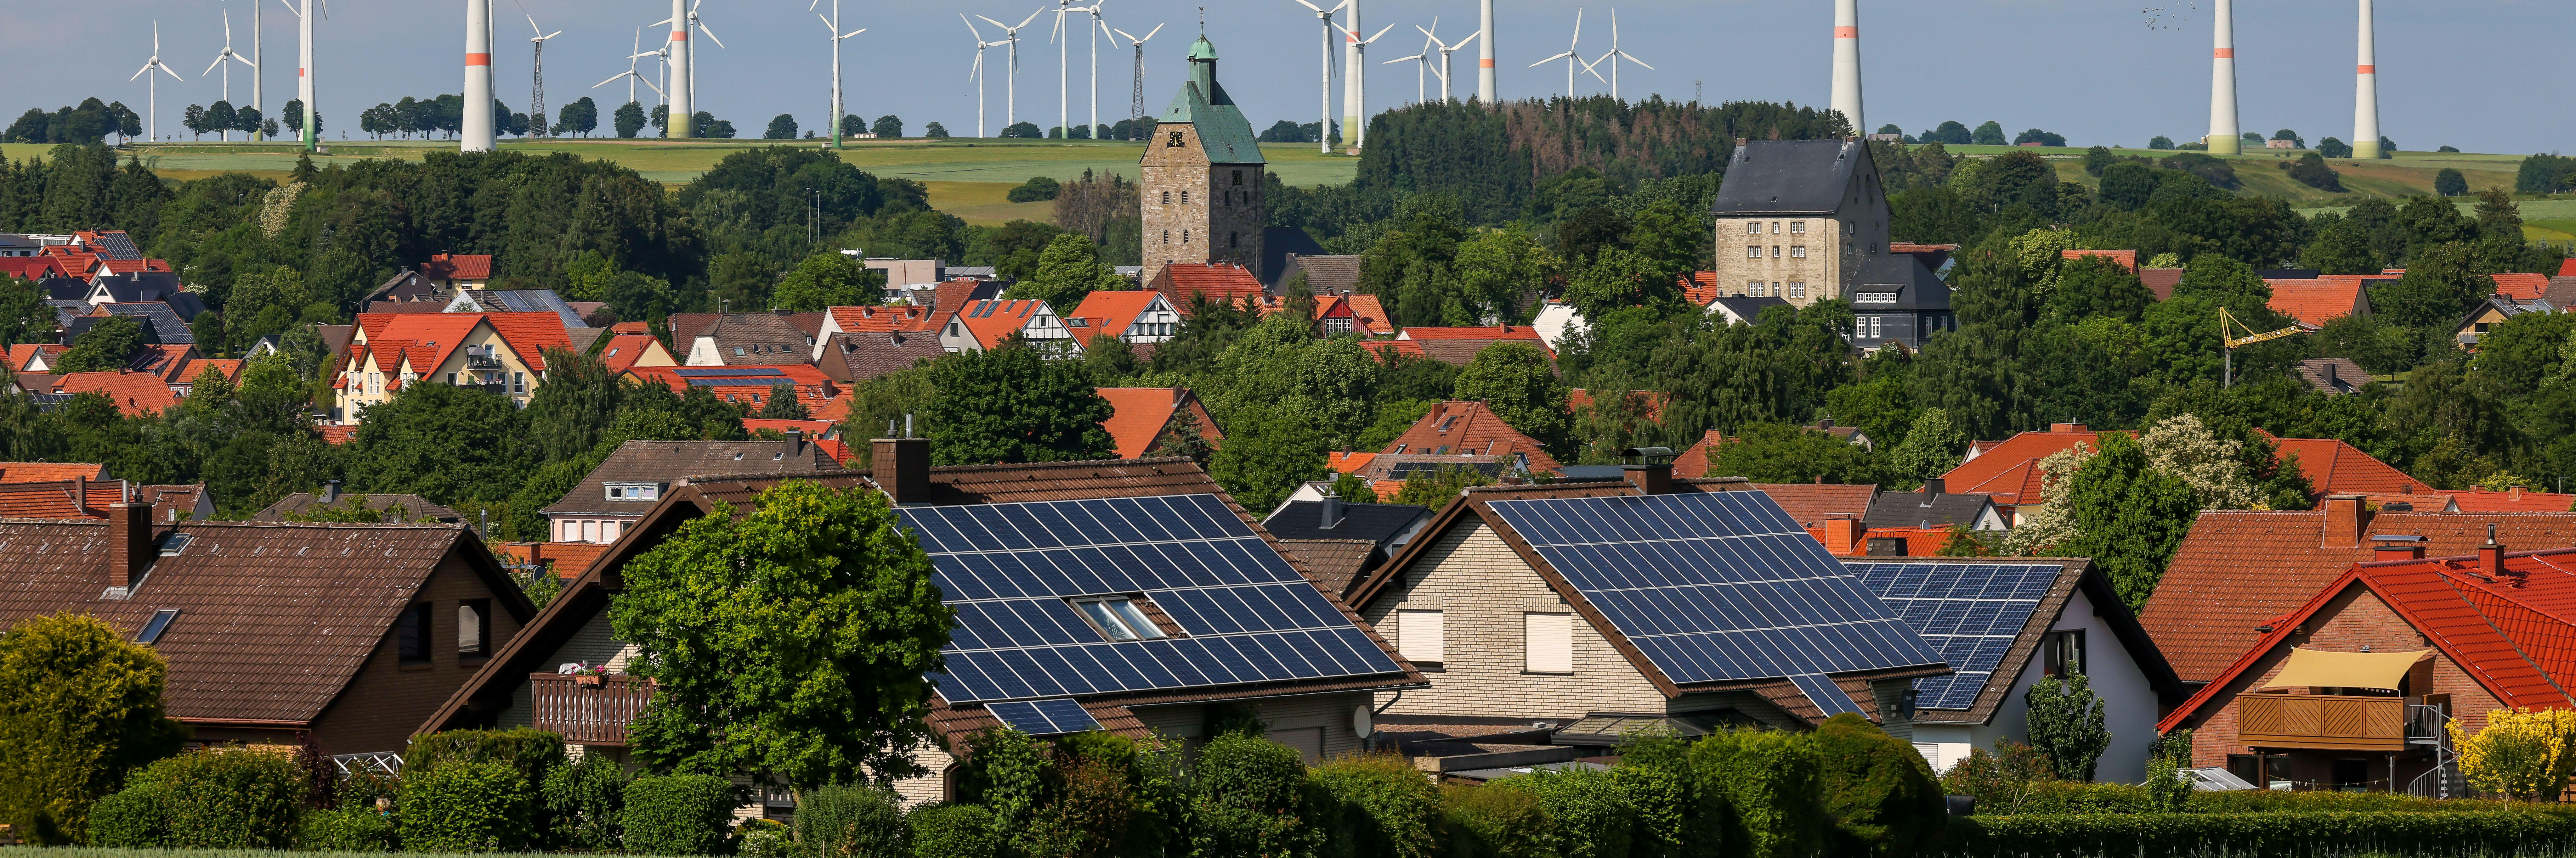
(1915, 286)
(1375, 522)
(1908, 509)
(761, 338)
(1749, 309)
(854, 358)
(417, 510)
(1202, 101)
(666, 463)
(159, 322)
(1787, 177)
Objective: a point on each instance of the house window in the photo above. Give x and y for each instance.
(1233, 239)
(1753, 227)
(1185, 198)
(1775, 251)
(1775, 227)
(153, 628)
(590, 531)
(1167, 198)
(473, 626)
(1547, 643)
(411, 634)
(1755, 289)
(1798, 251)
(518, 382)
(1421, 637)
(1167, 236)
(1174, 141)
(451, 379)
(1185, 234)
(1797, 290)
(1797, 227)
(1238, 178)
(1118, 619)
(2062, 653)
(1753, 251)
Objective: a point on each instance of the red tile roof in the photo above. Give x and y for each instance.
(1693, 462)
(530, 334)
(24, 353)
(33, 267)
(814, 429)
(135, 393)
(2161, 280)
(1220, 281)
(1497, 332)
(231, 370)
(2127, 258)
(1466, 428)
(1812, 503)
(1142, 413)
(623, 350)
(1919, 542)
(458, 267)
(2514, 500)
(1347, 463)
(2240, 569)
(1368, 308)
(812, 387)
(2314, 302)
(52, 500)
(2336, 468)
(2525, 287)
(1108, 313)
(566, 559)
(2567, 268)
(884, 319)
(1579, 399)
(2009, 470)
(128, 266)
(990, 322)
(50, 472)
(340, 434)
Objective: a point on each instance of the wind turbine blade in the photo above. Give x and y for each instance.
(210, 67)
(659, 23)
(1318, 9)
(979, 34)
(165, 69)
(532, 25)
(1463, 42)
(147, 69)
(1596, 75)
(238, 58)
(1381, 31)
(290, 8)
(228, 29)
(611, 79)
(1032, 17)
(1123, 34)
(1150, 36)
(1636, 60)
(550, 35)
(1550, 60)
(849, 34)
(711, 36)
(827, 24)
(970, 26)
(1401, 60)
(693, 6)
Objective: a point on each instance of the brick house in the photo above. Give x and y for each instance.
(1797, 219)
(1200, 182)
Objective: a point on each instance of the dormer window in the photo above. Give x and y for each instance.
(1119, 619)
(634, 491)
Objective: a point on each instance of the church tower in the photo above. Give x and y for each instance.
(1201, 177)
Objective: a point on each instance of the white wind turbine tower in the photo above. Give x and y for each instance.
(1324, 127)
(1421, 67)
(1064, 66)
(631, 76)
(1445, 49)
(977, 75)
(1572, 57)
(1011, 76)
(258, 76)
(1355, 97)
(311, 134)
(475, 131)
(1136, 95)
(220, 57)
(690, 59)
(1614, 56)
(832, 28)
(152, 88)
(1091, 34)
(537, 101)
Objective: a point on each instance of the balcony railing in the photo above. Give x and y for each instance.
(482, 361)
(2324, 722)
(585, 713)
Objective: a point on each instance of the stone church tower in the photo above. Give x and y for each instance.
(1202, 175)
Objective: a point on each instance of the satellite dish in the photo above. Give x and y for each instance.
(1361, 721)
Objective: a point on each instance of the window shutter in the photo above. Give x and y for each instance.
(1547, 641)
(1420, 635)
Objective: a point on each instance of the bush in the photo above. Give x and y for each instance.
(2256, 835)
(839, 821)
(345, 829)
(1494, 823)
(2067, 725)
(79, 707)
(2001, 781)
(678, 814)
(583, 802)
(133, 818)
(1387, 808)
(2450, 183)
(463, 807)
(1768, 780)
(1879, 792)
(230, 798)
(1588, 815)
(2311, 170)
(1252, 800)
(765, 838)
(1036, 189)
(2521, 754)
(534, 753)
(1675, 817)
(952, 831)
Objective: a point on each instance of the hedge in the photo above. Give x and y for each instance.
(846, 821)
(534, 754)
(583, 802)
(463, 807)
(2262, 835)
(346, 829)
(679, 814)
(206, 799)
(953, 831)
(1880, 793)
(2052, 798)
(131, 818)
(1387, 808)
(1768, 780)
(1589, 815)
(1494, 823)
(1252, 800)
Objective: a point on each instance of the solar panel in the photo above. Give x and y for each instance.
(1716, 586)
(763, 383)
(1969, 612)
(688, 372)
(1244, 615)
(1045, 717)
(1827, 696)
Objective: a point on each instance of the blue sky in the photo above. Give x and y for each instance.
(2469, 73)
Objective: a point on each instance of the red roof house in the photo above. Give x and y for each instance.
(2525, 287)
(50, 472)
(135, 393)
(2314, 302)
(458, 269)
(1184, 281)
(1467, 428)
(1144, 414)
(2127, 258)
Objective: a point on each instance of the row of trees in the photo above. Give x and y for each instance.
(88, 123)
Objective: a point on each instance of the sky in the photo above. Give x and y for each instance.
(2110, 72)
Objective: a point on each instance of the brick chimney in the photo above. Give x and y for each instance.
(796, 443)
(2344, 523)
(1653, 473)
(1935, 487)
(2067, 428)
(1843, 534)
(2396, 547)
(901, 466)
(129, 548)
(2491, 556)
(2514, 493)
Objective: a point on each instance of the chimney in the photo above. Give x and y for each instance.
(1332, 510)
(2067, 428)
(901, 466)
(80, 493)
(2491, 555)
(796, 443)
(2514, 493)
(2397, 547)
(2345, 521)
(2327, 369)
(1935, 487)
(1653, 473)
(1843, 534)
(129, 550)
(330, 491)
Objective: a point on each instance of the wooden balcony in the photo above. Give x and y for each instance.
(587, 714)
(2322, 722)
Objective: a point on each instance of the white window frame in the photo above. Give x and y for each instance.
(1753, 251)
(1798, 251)
(1753, 227)
(1422, 636)
(1797, 227)
(1797, 290)
(1547, 642)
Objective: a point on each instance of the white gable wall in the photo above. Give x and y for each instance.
(2129, 702)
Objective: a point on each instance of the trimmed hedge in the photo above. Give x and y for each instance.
(130, 818)
(1880, 793)
(1589, 815)
(1252, 800)
(584, 801)
(1483, 822)
(534, 753)
(346, 829)
(679, 814)
(845, 821)
(953, 831)
(1388, 809)
(463, 807)
(206, 799)
(1769, 782)
(2262, 835)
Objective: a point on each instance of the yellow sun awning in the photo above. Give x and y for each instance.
(2325, 668)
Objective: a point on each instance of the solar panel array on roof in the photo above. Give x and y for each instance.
(1010, 570)
(1716, 586)
(1969, 612)
(1828, 696)
(117, 245)
(1045, 717)
(737, 382)
(687, 372)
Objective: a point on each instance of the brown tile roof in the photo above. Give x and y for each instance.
(2242, 569)
(53, 501)
(2161, 280)
(419, 509)
(868, 356)
(2347, 376)
(50, 472)
(883, 318)
(458, 266)
(1465, 428)
(171, 503)
(1811, 503)
(756, 339)
(134, 393)
(275, 619)
(1334, 562)
(1327, 274)
(1693, 461)
(669, 464)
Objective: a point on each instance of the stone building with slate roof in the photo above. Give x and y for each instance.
(1300, 661)
(1201, 177)
(1798, 219)
(349, 634)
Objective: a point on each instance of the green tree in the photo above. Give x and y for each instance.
(1011, 404)
(629, 118)
(1267, 456)
(1782, 453)
(792, 643)
(24, 315)
(105, 347)
(783, 404)
(781, 127)
(1931, 448)
(1881, 794)
(1069, 269)
(79, 707)
(2128, 517)
(1989, 134)
(1624, 278)
(828, 279)
(2067, 725)
(1442, 485)
(1517, 383)
(445, 443)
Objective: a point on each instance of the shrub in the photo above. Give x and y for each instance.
(1004, 772)
(1494, 823)
(1588, 815)
(1036, 189)
(584, 800)
(362, 787)
(2259, 835)
(1251, 800)
(2000, 781)
(463, 807)
(678, 814)
(1387, 808)
(133, 818)
(1675, 817)
(2450, 182)
(2311, 170)
(534, 753)
(1090, 814)
(952, 831)
(230, 798)
(345, 829)
(2067, 725)
(766, 838)
(79, 707)
(843, 821)
(2522, 754)
(1768, 780)
(1879, 792)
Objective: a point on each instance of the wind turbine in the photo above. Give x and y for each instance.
(630, 74)
(1137, 94)
(152, 88)
(832, 28)
(258, 76)
(1324, 127)
(690, 59)
(1064, 66)
(1572, 57)
(1445, 48)
(475, 132)
(1355, 86)
(220, 57)
(1091, 34)
(977, 75)
(310, 135)
(1421, 68)
(537, 101)
(1614, 56)
(1011, 78)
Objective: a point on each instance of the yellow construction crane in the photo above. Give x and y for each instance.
(2227, 328)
